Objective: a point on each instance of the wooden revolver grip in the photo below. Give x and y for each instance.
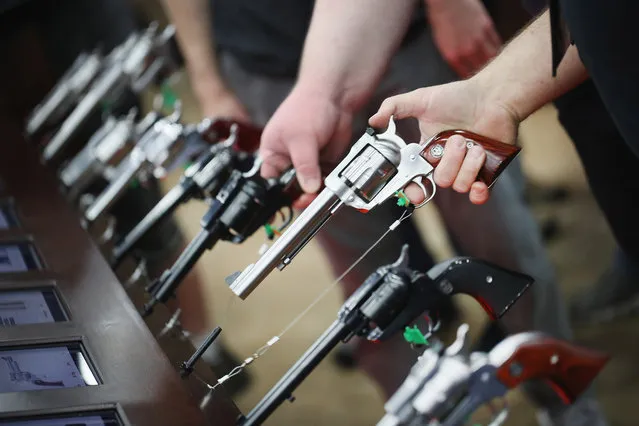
(568, 368)
(498, 154)
(248, 136)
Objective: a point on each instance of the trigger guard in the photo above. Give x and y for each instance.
(427, 194)
(255, 168)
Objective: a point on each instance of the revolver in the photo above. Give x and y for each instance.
(130, 66)
(202, 180)
(154, 154)
(244, 204)
(388, 301)
(107, 147)
(64, 95)
(447, 385)
(377, 168)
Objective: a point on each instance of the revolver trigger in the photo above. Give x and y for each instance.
(255, 168)
(460, 345)
(428, 195)
(287, 217)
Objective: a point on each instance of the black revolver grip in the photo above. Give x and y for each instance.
(495, 288)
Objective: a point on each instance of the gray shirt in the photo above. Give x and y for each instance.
(267, 36)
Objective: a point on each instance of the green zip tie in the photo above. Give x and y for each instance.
(169, 96)
(135, 184)
(269, 231)
(187, 165)
(402, 199)
(414, 336)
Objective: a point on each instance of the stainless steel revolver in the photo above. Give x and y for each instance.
(152, 155)
(376, 169)
(131, 65)
(65, 94)
(107, 147)
(447, 385)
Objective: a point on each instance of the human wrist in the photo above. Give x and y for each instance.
(207, 84)
(348, 100)
(506, 94)
(319, 91)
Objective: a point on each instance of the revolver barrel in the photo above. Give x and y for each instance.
(289, 244)
(110, 80)
(127, 172)
(65, 93)
(179, 194)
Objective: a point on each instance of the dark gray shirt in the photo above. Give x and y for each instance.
(534, 6)
(267, 36)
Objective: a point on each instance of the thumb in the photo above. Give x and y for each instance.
(305, 160)
(401, 106)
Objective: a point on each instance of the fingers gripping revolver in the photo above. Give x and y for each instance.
(377, 168)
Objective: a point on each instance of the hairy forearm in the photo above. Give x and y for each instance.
(349, 45)
(193, 24)
(520, 78)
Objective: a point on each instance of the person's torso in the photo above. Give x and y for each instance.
(267, 36)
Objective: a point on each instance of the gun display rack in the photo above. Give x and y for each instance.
(90, 310)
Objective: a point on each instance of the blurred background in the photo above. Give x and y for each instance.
(576, 236)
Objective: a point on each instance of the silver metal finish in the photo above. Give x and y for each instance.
(453, 372)
(284, 249)
(455, 380)
(375, 168)
(98, 91)
(154, 150)
(66, 92)
(126, 173)
(364, 168)
(113, 140)
(437, 150)
(213, 168)
(399, 410)
(75, 169)
(504, 349)
(125, 65)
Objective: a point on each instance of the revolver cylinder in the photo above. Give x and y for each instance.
(367, 173)
(65, 93)
(246, 205)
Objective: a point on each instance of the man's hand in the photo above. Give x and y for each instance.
(464, 33)
(216, 101)
(459, 105)
(306, 130)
